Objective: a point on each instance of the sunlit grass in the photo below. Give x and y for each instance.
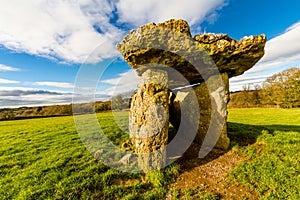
(273, 165)
(265, 116)
(46, 159)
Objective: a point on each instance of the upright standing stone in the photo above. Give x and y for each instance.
(213, 111)
(209, 118)
(149, 120)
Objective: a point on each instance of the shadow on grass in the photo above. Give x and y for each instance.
(241, 134)
(245, 134)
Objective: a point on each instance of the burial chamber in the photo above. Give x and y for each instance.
(184, 84)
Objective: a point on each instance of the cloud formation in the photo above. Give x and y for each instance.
(6, 81)
(67, 30)
(11, 97)
(5, 68)
(137, 12)
(70, 30)
(16, 97)
(281, 52)
(284, 48)
(24, 92)
(125, 82)
(55, 84)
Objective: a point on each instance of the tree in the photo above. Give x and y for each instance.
(7, 115)
(117, 102)
(283, 88)
(245, 96)
(103, 106)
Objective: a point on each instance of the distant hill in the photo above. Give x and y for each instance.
(51, 111)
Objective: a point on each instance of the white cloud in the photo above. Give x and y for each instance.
(239, 79)
(292, 27)
(281, 52)
(284, 48)
(55, 84)
(5, 68)
(69, 30)
(6, 81)
(137, 12)
(16, 97)
(57, 29)
(125, 82)
(237, 83)
(22, 96)
(16, 88)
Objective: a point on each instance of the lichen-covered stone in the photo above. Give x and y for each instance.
(160, 46)
(149, 120)
(217, 100)
(171, 45)
(127, 159)
(231, 56)
(213, 111)
(163, 43)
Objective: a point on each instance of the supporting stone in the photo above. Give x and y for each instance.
(149, 120)
(213, 109)
(219, 97)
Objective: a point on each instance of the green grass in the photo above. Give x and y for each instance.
(273, 165)
(45, 159)
(265, 116)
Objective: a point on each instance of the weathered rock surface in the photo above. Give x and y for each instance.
(149, 120)
(127, 159)
(231, 56)
(171, 45)
(208, 113)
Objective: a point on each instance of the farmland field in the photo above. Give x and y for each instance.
(45, 159)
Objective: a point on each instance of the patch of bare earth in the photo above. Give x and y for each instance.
(211, 174)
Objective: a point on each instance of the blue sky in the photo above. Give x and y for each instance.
(45, 43)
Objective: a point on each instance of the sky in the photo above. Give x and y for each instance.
(48, 46)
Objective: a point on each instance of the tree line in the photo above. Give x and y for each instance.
(280, 90)
(118, 102)
(51, 111)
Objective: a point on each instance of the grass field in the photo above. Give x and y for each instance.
(45, 159)
(272, 167)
